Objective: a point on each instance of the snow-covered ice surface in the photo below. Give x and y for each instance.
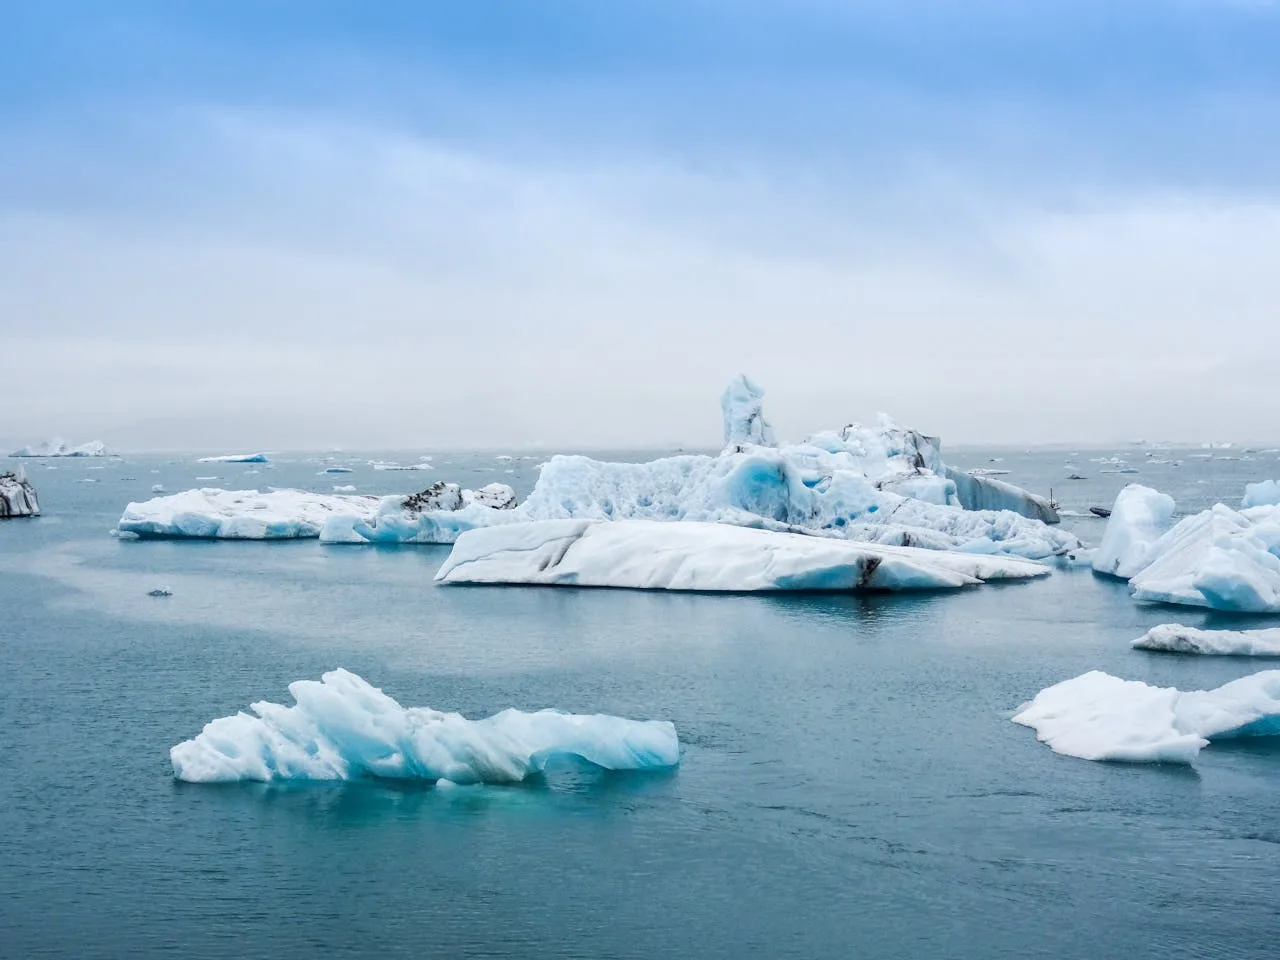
(687, 555)
(236, 458)
(240, 514)
(17, 497)
(1139, 518)
(57, 447)
(1175, 638)
(1096, 716)
(342, 728)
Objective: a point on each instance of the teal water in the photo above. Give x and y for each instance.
(851, 785)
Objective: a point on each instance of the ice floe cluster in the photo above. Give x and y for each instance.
(57, 447)
(1219, 558)
(17, 496)
(342, 728)
(885, 485)
(652, 555)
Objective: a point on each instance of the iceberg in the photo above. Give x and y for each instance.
(978, 490)
(1175, 638)
(687, 555)
(239, 514)
(439, 514)
(1096, 716)
(742, 405)
(1219, 558)
(236, 458)
(17, 496)
(58, 447)
(1264, 494)
(1139, 518)
(441, 511)
(342, 728)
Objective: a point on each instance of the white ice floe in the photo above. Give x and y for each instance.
(344, 488)
(236, 458)
(342, 728)
(58, 447)
(1096, 716)
(1264, 494)
(655, 555)
(1175, 638)
(240, 514)
(17, 496)
(1139, 518)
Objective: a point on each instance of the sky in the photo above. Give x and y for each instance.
(288, 224)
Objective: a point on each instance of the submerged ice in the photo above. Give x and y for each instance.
(686, 555)
(342, 728)
(1096, 716)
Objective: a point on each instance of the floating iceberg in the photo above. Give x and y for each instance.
(58, 447)
(341, 728)
(655, 555)
(17, 496)
(1140, 517)
(236, 458)
(1264, 494)
(1219, 558)
(439, 514)
(1175, 638)
(240, 514)
(1100, 717)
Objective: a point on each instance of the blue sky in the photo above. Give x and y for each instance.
(1001, 221)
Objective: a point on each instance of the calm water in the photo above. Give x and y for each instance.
(851, 785)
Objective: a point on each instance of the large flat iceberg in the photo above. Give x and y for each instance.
(686, 555)
(214, 513)
(240, 514)
(17, 496)
(1175, 638)
(1096, 716)
(342, 728)
(57, 447)
(235, 458)
(1219, 558)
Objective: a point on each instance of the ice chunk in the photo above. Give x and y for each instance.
(236, 458)
(1139, 518)
(1096, 716)
(742, 405)
(342, 728)
(58, 447)
(438, 514)
(1264, 494)
(1175, 638)
(654, 555)
(17, 496)
(1219, 559)
(240, 514)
